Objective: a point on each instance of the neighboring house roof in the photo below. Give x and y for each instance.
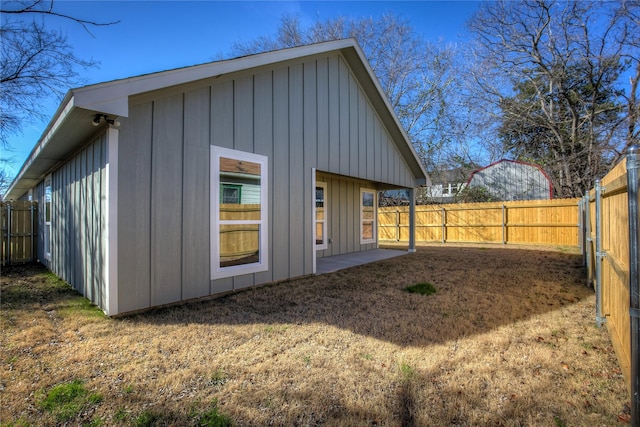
(513, 180)
(72, 122)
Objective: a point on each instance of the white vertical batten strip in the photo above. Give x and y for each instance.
(313, 219)
(111, 223)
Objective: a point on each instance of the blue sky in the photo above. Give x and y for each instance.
(160, 35)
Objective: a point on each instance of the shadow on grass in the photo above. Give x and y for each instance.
(478, 290)
(24, 285)
(31, 286)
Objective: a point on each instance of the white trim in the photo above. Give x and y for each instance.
(111, 223)
(313, 218)
(364, 241)
(218, 272)
(47, 224)
(54, 126)
(325, 227)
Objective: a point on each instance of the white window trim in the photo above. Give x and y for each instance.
(218, 272)
(324, 244)
(375, 216)
(47, 224)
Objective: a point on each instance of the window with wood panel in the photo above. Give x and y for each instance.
(367, 216)
(321, 215)
(47, 218)
(239, 213)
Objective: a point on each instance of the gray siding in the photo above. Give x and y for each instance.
(134, 209)
(301, 116)
(343, 214)
(78, 220)
(511, 180)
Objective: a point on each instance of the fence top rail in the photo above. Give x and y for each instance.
(617, 186)
(19, 204)
(495, 224)
(514, 204)
(476, 208)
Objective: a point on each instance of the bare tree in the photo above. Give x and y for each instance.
(35, 62)
(549, 76)
(417, 77)
(629, 36)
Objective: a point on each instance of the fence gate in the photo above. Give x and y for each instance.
(19, 231)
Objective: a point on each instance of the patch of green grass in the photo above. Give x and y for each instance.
(79, 305)
(421, 288)
(66, 401)
(95, 422)
(120, 415)
(213, 418)
(559, 422)
(407, 371)
(18, 423)
(128, 389)
(145, 419)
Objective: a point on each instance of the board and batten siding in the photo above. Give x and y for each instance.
(78, 221)
(343, 214)
(301, 115)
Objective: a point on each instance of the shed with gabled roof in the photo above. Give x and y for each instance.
(513, 180)
(207, 179)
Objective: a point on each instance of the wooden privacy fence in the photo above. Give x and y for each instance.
(610, 250)
(239, 239)
(548, 222)
(19, 230)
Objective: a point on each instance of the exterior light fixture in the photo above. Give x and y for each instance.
(99, 117)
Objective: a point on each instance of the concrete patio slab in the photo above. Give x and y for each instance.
(339, 262)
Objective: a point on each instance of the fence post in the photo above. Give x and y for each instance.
(9, 225)
(634, 281)
(412, 220)
(3, 224)
(588, 239)
(444, 225)
(599, 254)
(504, 226)
(581, 227)
(397, 225)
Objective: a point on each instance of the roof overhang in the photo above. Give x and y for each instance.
(71, 125)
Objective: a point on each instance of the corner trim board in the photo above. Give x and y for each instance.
(111, 227)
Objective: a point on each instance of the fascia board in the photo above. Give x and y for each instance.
(113, 97)
(58, 120)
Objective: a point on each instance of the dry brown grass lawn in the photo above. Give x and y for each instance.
(508, 339)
